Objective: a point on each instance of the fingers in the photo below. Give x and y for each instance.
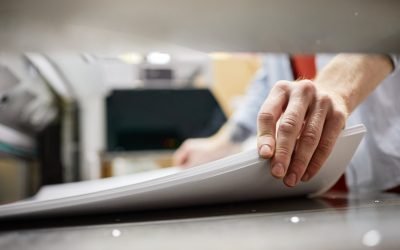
(333, 126)
(268, 116)
(310, 123)
(181, 156)
(308, 141)
(289, 129)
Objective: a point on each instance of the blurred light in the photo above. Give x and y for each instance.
(220, 55)
(131, 58)
(116, 233)
(158, 58)
(371, 238)
(294, 219)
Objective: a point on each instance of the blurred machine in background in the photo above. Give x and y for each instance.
(144, 126)
(27, 112)
(67, 117)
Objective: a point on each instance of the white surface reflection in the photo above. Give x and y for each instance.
(371, 238)
(116, 233)
(294, 219)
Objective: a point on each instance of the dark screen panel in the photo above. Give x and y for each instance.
(149, 119)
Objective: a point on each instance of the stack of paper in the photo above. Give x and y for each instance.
(239, 177)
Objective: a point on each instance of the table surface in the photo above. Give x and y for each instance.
(336, 221)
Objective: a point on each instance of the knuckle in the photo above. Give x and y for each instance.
(282, 152)
(305, 90)
(306, 81)
(307, 86)
(309, 138)
(310, 135)
(287, 127)
(325, 100)
(339, 117)
(266, 117)
(289, 124)
(325, 146)
(282, 85)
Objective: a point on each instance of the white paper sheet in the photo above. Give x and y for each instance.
(239, 177)
(85, 187)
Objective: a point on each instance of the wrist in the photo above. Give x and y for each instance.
(342, 102)
(350, 78)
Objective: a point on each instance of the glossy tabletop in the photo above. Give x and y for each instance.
(336, 221)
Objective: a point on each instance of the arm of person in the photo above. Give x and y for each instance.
(197, 151)
(311, 114)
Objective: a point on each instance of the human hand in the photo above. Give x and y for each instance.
(310, 121)
(198, 151)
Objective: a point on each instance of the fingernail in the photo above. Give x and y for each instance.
(266, 151)
(291, 180)
(278, 170)
(305, 177)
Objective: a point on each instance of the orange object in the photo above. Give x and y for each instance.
(303, 66)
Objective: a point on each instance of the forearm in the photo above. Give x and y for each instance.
(352, 77)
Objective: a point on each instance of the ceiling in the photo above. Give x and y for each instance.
(207, 25)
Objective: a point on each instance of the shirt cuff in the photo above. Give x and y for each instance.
(238, 132)
(395, 61)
